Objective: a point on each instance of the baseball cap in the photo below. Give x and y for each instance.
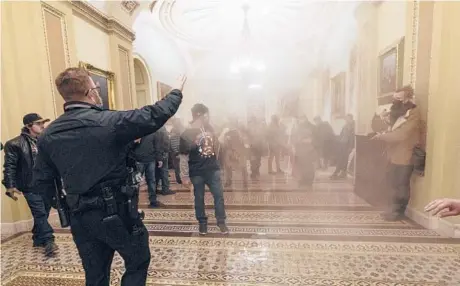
(33, 118)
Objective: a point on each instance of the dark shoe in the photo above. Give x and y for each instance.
(154, 205)
(334, 177)
(203, 228)
(167, 193)
(50, 248)
(342, 175)
(179, 182)
(223, 228)
(39, 244)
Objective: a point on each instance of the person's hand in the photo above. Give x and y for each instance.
(160, 164)
(11, 192)
(444, 207)
(376, 137)
(181, 82)
(186, 181)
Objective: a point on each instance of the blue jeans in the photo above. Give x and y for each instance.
(150, 179)
(213, 181)
(163, 175)
(40, 207)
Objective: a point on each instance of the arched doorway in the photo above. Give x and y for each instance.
(143, 82)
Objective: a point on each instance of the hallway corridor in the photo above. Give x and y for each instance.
(280, 235)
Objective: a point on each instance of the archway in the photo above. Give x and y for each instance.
(143, 82)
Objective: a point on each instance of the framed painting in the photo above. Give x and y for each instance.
(391, 61)
(162, 89)
(106, 80)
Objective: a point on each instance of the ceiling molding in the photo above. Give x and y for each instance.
(106, 23)
(129, 6)
(152, 5)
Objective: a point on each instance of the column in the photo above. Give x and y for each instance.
(367, 66)
(122, 63)
(443, 154)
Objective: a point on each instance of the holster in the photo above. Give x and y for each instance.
(118, 203)
(132, 202)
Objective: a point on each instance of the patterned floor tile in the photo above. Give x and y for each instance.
(323, 232)
(29, 280)
(227, 261)
(279, 217)
(381, 253)
(272, 199)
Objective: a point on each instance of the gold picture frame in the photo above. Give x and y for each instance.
(390, 73)
(106, 80)
(162, 89)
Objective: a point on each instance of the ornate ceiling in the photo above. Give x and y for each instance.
(302, 25)
(289, 38)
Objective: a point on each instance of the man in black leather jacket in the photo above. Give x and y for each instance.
(88, 147)
(20, 155)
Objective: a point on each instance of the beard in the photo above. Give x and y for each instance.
(398, 109)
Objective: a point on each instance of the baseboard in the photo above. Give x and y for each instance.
(441, 226)
(12, 228)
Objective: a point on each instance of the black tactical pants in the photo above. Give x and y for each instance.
(97, 242)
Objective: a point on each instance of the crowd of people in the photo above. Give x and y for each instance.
(85, 156)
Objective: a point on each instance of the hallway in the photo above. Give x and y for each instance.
(280, 235)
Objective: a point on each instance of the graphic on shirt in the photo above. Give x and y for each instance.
(205, 143)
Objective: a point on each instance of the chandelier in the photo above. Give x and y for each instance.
(246, 62)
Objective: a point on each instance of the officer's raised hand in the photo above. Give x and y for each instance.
(181, 80)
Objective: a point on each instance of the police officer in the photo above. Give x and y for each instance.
(87, 147)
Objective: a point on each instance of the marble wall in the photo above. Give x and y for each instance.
(39, 40)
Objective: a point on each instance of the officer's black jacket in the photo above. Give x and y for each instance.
(87, 146)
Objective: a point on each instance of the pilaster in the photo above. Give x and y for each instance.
(366, 65)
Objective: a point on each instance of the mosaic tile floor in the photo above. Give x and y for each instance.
(272, 199)
(229, 261)
(280, 235)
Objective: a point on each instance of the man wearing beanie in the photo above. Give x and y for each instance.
(199, 144)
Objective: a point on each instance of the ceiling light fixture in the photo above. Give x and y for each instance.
(246, 63)
(255, 86)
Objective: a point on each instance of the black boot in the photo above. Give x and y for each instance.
(203, 228)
